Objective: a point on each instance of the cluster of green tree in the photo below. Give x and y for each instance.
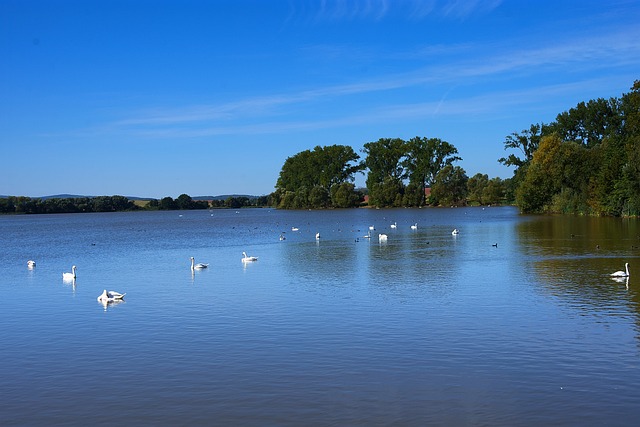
(587, 161)
(237, 202)
(398, 174)
(399, 171)
(318, 178)
(29, 205)
(183, 202)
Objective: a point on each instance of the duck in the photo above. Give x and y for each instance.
(247, 258)
(70, 276)
(621, 273)
(198, 266)
(110, 296)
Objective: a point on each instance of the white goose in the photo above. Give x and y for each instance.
(198, 266)
(622, 273)
(70, 276)
(110, 296)
(247, 258)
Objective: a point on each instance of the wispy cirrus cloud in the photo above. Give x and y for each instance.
(278, 112)
(376, 10)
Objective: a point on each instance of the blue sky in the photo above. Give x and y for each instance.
(158, 98)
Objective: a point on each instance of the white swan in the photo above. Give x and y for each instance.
(70, 276)
(294, 229)
(455, 231)
(622, 273)
(414, 226)
(247, 258)
(371, 227)
(110, 296)
(382, 237)
(198, 266)
(394, 225)
(31, 264)
(318, 236)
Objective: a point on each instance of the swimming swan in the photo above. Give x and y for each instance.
(110, 296)
(198, 266)
(31, 264)
(318, 236)
(455, 231)
(394, 225)
(414, 226)
(247, 258)
(70, 276)
(622, 273)
(382, 237)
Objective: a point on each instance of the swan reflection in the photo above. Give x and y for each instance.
(624, 280)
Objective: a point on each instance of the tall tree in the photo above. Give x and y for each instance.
(425, 158)
(306, 179)
(384, 160)
(450, 186)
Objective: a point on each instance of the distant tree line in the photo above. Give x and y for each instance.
(28, 205)
(585, 162)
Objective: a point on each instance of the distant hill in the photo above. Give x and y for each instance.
(76, 196)
(223, 197)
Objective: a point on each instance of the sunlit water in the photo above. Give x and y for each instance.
(425, 329)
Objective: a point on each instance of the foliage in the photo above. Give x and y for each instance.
(311, 178)
(450, 187)
(586, 162)
(393, 161)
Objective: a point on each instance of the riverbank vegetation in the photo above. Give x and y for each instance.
(585, 162)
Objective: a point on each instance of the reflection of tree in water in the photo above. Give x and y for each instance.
(573, 257)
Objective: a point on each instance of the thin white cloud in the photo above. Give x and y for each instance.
(614, 51)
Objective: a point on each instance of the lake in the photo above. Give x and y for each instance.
(515, 321)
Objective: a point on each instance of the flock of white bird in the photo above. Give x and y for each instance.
(113, 296)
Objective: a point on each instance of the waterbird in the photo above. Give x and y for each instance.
(394, 225)
(247, 258)
(294, 229)
(70, 276)
(110, 296)
(382, 237)
(198, 266)
(621, 273)
(495, 245)
(318, 236)
(31, 264)
(455, 231)
(414, 226)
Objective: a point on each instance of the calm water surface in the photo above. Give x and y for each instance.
(425, 329)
